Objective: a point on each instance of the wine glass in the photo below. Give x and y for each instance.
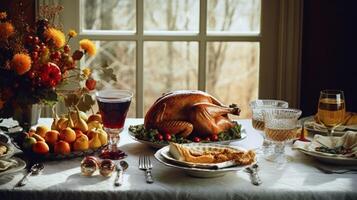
(257, 107)
(280, 128)
(331, 109)
(113, 106)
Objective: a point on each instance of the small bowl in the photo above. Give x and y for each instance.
(89, 165)
(106, 168)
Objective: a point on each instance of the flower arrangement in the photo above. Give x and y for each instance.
(36, 61)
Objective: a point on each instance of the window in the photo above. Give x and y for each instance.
(225, 47)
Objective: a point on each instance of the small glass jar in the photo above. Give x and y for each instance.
(106, 168)
(88, 166)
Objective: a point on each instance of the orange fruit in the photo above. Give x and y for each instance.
(42, 130)
(31, 132)
(51, 136)
(68, 135)
(37, 137)
(62, 147)
(40, 147)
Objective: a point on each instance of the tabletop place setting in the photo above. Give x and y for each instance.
(188, 130)
(172, 99)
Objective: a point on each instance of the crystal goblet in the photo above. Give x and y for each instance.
(113, 106)
(257, 107)
(280, 128)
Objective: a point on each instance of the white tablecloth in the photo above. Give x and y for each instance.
(298, 180)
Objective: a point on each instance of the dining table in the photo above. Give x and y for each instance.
(300, 178)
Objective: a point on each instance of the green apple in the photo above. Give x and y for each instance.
(28, 142)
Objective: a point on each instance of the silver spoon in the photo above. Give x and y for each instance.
(253, 172)
(121, 167)
(34, 170)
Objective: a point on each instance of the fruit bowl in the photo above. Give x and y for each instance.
(17, 140)
(152, 137)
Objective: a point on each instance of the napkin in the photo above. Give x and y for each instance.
(348, 141)
(6, 164)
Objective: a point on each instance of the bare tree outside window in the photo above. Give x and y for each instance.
(232, 67)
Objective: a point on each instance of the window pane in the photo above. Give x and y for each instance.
(171, 15)
(168, 66)
(233, 73)
(109, 15)
(119, 57)
(233, 16)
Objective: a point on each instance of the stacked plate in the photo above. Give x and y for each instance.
(8, 163)
(202, 170)
(309, 148)
(312, 126)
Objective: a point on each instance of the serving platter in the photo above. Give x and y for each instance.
(157, 145)
(199, 172)
(163, 143)
(199, 147)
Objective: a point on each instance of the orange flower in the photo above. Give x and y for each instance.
(2, 103)
(3, 15)
(56, 36)
(72, 33)
(88, 46)
(21, 63)
(6, 30)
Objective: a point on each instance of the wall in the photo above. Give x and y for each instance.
(328, 52)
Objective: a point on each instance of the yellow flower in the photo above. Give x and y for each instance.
(86, 71)
(72, 33)
(88, 46)
(3, 15)
(6, 30)
(21, 63)
(56, 36)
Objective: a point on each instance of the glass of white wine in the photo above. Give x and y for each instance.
(331, 109)
(257, 107)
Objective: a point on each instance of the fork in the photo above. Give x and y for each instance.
(145, 164)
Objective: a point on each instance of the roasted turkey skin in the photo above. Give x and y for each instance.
(186, 112)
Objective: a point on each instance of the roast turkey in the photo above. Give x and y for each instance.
(186, 112)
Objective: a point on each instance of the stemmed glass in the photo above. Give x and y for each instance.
(331, 109)
(113, 106)
(257, 107)
(280, 128)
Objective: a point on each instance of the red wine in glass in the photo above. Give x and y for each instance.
(113, 113)
(113, 106)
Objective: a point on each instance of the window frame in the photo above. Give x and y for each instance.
(279, 56)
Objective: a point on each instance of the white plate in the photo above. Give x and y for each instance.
(337, 160)
(311, 126)
(20, 166)
(10, 150)
(160, 145)
(304, 147)
(199, 172)
(165, 152)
